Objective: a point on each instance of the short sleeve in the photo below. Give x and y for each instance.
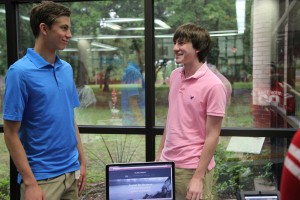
(217, 99)
(15, 95)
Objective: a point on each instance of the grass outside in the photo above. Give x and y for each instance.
(4, 170)
(103, 149)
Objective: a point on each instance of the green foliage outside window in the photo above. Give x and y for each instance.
(235, 172)
(4, 188)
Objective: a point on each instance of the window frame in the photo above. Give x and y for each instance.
(149, 130)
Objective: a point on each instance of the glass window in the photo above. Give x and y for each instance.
(4, 156)
(107, 56)
(256, 51)
(4, 170)
(3, 55)
(258, 58)
(247, 164)
(103, 149)
(255, 47)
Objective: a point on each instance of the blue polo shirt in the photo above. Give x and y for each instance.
(43, 98)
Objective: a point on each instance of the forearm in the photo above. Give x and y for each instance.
(17, 152)
(206, 156)
(81, 157)
(213, 129)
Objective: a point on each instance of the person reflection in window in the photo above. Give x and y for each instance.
(133, 95)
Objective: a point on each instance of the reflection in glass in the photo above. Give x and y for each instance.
(228, 55)
(99, 51)
(251, 49)
(133, 93)
(133, 89)
(248, 47)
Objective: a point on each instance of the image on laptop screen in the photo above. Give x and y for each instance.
(134, 181)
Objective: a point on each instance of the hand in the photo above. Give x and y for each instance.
(195, 189)
(34, 192)
(157, 157)
(81, 180)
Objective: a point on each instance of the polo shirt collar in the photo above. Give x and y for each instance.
(39, 61)
(199, 73)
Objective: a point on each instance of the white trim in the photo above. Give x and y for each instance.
(292, 167)
(294, 151)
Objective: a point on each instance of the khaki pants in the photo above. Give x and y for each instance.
(182, 179)
(58, 188)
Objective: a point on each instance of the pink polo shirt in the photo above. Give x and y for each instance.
(190, 101)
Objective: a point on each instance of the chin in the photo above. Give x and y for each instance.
(178, 62)
(61, 48)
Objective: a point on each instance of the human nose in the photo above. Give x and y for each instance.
(69, 34)
(175, 47)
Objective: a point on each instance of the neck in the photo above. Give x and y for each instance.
(43, 50)
(190, 70)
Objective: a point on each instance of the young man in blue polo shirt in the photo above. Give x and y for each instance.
(39, 125)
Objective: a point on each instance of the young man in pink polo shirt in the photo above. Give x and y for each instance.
(197, 101)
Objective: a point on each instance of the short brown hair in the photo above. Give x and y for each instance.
(198, 36)
(46, 12)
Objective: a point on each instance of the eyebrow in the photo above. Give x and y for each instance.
(65, 25)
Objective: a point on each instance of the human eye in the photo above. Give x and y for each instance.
(179, 42)
(65, 27)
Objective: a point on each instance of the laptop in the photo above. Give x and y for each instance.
(260, 195)
(142, 180)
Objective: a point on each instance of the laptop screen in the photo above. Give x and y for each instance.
(133, 181)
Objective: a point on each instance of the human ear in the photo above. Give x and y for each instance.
(43, 28)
